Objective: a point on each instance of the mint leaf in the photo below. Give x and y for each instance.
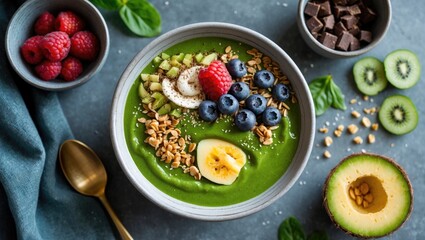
(107, 4)
(337, 96)
(326, 93)
(291, 229)
(318, 235)
(141, 18)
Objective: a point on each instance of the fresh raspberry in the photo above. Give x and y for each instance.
(55, 46)
(48, 70)
(44, 24)
(84, 45)
(69, 22)
(71, 68)
(31, 50)
(215, 80)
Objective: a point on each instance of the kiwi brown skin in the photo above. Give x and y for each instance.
(390, 160)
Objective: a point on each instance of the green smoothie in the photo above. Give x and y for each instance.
(265, 164)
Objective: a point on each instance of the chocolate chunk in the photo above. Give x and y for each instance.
(316, 35)
(344, 41)
(311, 9)
(328, 40)
(325, 9)
(339, 28)
(329, 22)
(349, 21)
(368, 15)
(354, 44)
(354, 10)
(340, 11)
(340, 2)
(365, 36)
(314, 24)
(355, 30)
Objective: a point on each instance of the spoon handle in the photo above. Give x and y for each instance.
(125, 235)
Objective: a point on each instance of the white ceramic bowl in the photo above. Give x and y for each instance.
(244, 35)
(21, 28)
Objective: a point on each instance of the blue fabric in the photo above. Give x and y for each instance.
(35, 198)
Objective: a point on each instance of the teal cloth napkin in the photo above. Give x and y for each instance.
(35, 198)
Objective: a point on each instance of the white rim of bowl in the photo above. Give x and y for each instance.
(144, 57)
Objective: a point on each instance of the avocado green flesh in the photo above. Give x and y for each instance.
(368, 223)
(265, 164)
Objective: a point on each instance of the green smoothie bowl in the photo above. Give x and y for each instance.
(212, 121)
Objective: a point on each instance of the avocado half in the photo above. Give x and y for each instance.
(368, 195)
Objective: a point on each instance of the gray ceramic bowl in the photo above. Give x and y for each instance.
(240, 34)
(379, 29)
(21, 28)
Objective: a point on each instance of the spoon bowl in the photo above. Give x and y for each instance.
(85, 172)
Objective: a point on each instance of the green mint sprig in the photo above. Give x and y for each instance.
(291, 229)
(326, 93)
(140, 16)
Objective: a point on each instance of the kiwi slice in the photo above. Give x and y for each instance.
(369, 75)
(402, 68)
(398, 115)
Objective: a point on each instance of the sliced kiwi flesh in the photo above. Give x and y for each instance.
(398, 114)
(402, 68)
(369, 75)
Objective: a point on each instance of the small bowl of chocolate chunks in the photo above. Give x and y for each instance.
(343, 28)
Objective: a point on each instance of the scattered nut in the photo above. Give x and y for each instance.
(353, 101)
(324, 130)
(358, 140)
(327, 154)
(375, 127)
(352, 129)
(340, 127)
(366, 122)
(355, 114)
(370, 138)
(337, 133)
(328, 141)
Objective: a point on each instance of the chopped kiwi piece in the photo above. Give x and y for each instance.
(177, 112)
(175, 63)
(165, 56)
(155, 86)
(165, 65)
(144, 77)
(147, 100)
(154, 77)
(402, 68)
(173, 72)
(157, 60)
(142, 91)
(368, 195)
(159, 101)
(369, 76)
(209, 58)
(188, 59)
(179, 57)
(398, 115)
(166, 108)
(199, 57)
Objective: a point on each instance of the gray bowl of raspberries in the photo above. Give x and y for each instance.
(57, 45)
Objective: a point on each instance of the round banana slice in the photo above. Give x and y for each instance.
(220, 161)
(188, 82)
(169, 90)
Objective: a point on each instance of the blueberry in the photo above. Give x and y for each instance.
(245, 120)
(236, 68)
(263, 79)
(280, 92)
(256, 103)
(271, 116)
(208, 111)
(239, 90)
(227, 104)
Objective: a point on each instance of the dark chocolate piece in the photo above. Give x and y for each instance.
(365, 36)
(328, 40)
(354, 44)
(314, 24)
(344, 41)
(339, 28)
(325, 9)
(354, 10)
(340, 2)
(368, 15)
(340, 11)
(349, 21)
(355, 30)
(311, 9)
(316, 35)
(329, 22)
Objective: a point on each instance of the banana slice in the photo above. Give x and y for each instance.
(188, 82)
(169, 90)
(219, 161)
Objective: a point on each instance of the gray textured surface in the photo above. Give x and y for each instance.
(87, 109)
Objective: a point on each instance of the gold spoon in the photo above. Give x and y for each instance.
(86, 173)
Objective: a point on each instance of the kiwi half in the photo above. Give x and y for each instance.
(369, 75)
(402, 68)
(398, 115)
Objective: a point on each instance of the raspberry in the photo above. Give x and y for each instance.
(55, 46)
(215, 80)
(84, 45)
(31, 51)
(71, 68)
(45, 23)
(69, 23)
(48, 70)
